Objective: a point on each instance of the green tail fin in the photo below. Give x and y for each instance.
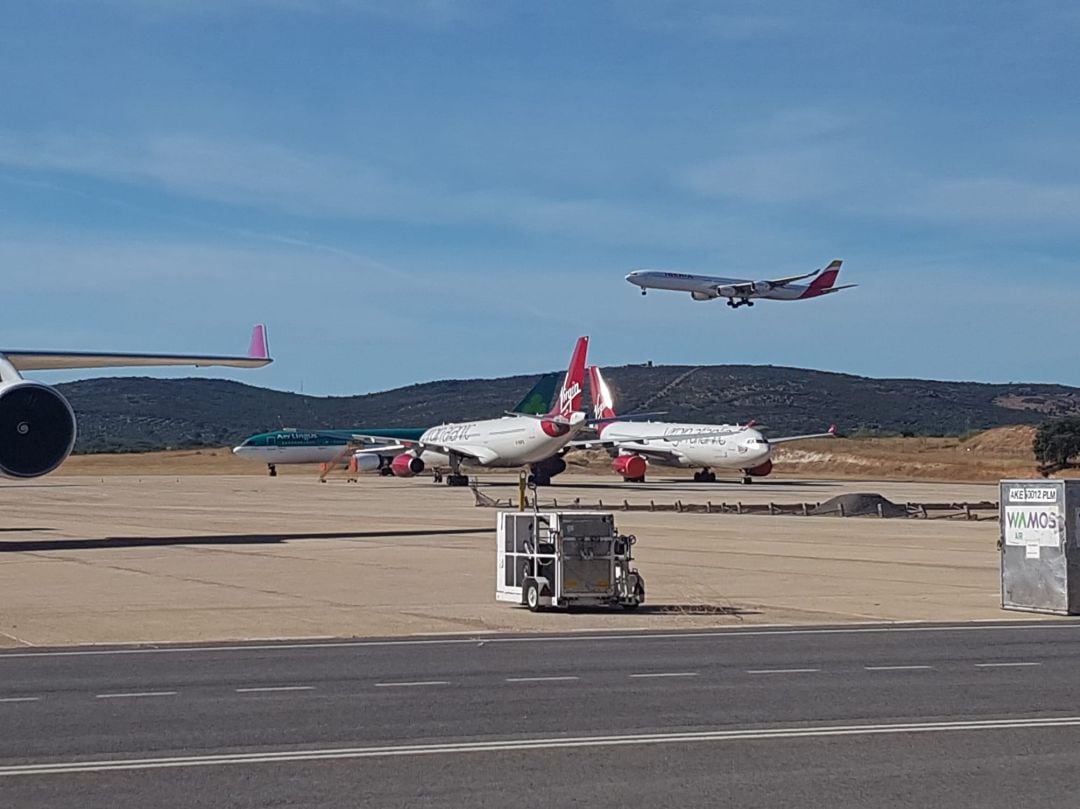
(539, 400)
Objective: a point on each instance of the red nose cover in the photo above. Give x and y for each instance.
(630, 466)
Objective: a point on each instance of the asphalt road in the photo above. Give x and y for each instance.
(975, 715)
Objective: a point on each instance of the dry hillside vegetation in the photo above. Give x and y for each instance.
(1003, 452)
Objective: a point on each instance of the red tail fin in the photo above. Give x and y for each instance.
(603, 401)
(824, 281)
(569, 400)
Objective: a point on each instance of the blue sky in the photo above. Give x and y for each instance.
(427, 189)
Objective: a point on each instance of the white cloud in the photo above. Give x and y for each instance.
(996, 201)
(269, 176)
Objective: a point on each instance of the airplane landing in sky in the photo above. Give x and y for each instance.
(741, 292)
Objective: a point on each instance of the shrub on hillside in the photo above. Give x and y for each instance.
(1056, 444)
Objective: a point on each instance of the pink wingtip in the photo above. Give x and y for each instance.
(258, 349)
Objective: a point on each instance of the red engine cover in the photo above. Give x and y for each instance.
(760, 471)
(406, 465)
(630, 466)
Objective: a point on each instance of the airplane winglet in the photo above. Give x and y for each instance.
(259, 349)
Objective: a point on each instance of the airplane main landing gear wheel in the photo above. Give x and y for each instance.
(457, 480)
(704, 476)
(272, 470)
(747, 480)
(539, 480)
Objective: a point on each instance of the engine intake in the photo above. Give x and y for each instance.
(37, 429)
(760, 471)
(549, 467)
(631, 467)
(406, 465)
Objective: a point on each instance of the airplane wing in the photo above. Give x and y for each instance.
(382, 445)
(651, 451)
(831, 433)
(646, 450)
(791, 279)
(258, 355)
(831, 290)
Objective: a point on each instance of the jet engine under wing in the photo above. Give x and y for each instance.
(257, 356)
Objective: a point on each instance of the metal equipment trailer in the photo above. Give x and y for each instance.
(565, 559)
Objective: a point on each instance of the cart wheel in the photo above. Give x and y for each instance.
(532, 596)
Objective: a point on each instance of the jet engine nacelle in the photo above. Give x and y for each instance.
(702, 296)
(727, 292)
(406, 465)
(630, 466)
(365, 462)
(761, 287)
(37, 429)
(761, 470)
(549, 467)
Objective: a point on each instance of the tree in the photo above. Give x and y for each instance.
(1056, 444)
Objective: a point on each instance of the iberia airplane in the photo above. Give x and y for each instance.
(634, 445)
(37, 425)
(515, 440)
(740, 292)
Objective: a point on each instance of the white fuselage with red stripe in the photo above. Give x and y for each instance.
(715, 446)
(507, 442)
(706, 287)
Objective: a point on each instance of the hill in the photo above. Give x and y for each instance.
(124, 414)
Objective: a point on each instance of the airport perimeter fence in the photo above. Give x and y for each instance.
(981, 510)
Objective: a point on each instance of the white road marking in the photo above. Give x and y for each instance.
(19, 699)
(412, 685)
(540, 679)
(537, 743)
(783, 671)
(133, 694)
(668, 674)
(898, 668)
(262, 689)
(875, 628)
(1005, 665)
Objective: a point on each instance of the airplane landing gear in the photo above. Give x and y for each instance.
(705, 476)
(741, 302)
(536, 479)
(271, 470)
(644, 291)
(455, 478)
(747, 480)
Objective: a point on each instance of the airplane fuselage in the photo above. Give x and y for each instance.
(511, 441)
(709, 287)
(307, 446)
(716, 446)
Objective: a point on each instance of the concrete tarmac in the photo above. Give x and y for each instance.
(974, 715)
(159, 559)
